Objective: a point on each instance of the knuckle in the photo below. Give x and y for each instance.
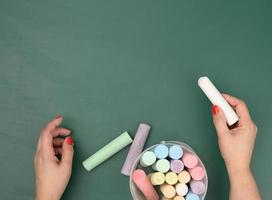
(256, 129)
(43, 129)
(242, 102)
(37, 155)
(67, 164)
(38, 160)
(219, 137)
(35, 160)
(253, 127)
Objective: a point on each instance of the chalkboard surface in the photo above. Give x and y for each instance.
(106, 66)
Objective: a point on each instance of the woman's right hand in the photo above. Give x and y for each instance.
(236, 146)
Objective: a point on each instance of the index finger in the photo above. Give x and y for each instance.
(240, 108)
(53, 124)
(46, 138)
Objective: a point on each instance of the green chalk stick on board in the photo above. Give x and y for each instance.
(107, 151)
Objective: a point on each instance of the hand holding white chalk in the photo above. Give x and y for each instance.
(217, 99)
(236, 146)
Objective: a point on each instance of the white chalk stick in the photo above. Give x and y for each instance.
(217, 99)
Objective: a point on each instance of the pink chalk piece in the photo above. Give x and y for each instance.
(136, 148)
(176, 166)
(142, 182)
(197, 173)
(189, 160)
(197, 187)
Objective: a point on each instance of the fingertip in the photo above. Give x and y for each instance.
(69, 143)
(54, 123)
(58, 119)
(225, 94)
(227, 97)
(67, 152)
(215, 109)
(219, 120)
(69, 140)
(65, 132)
(60, 131)
(218, 114)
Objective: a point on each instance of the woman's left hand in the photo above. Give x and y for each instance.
(53, 174)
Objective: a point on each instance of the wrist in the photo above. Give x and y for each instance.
(238, 172)
(237, 166)
(40, 196)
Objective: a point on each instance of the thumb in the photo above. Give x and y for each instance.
(67, 153)
(219, 121)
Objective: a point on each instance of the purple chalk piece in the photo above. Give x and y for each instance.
(176, 166)
(197, 187)
(136, 148)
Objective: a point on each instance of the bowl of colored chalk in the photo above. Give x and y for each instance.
(169, 170)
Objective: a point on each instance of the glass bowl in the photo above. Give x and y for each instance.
(136, 193)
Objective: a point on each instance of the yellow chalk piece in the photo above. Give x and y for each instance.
(168, 191)
(178, 198)
(184, 177)
(171, 178)
(157, 178)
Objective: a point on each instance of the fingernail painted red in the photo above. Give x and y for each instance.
(215, 109)
(70, 140)
(58, 116)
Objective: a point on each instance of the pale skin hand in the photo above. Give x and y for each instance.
(52, 174)
(236, 146)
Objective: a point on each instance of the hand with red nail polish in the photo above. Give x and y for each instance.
(236, 145)
(53, 161)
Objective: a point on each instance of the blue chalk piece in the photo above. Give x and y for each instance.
(192, 196)
(175, 152)
(161, 151)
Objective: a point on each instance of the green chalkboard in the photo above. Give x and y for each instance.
(108, 65)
